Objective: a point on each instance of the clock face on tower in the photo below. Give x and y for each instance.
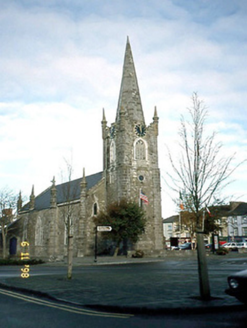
(140, 130)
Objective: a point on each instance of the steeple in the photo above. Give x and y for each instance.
(129, 97)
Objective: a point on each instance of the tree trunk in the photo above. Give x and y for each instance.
(116, 251)
(202, 268)
(70, 257)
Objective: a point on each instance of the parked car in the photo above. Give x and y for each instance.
(230, 246)
(238, 286)
(171, 248)
(185, 246)
(174, 248)
(242, 245)
(208, 246)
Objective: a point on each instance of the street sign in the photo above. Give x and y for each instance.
(104, 228)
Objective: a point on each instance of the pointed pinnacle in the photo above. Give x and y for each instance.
(84, 176)
(83, 181)
(155, 112)
(103, 119)
(53, 181)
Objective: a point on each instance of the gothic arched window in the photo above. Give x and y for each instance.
(112, 151)
(95, 209)
(140, 150)
(39, 232)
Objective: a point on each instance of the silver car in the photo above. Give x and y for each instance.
(230, 246)
(242, 245)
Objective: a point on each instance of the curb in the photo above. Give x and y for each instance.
(168, 311)
(183, 310)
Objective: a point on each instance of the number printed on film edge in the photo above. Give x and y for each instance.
(25, 256)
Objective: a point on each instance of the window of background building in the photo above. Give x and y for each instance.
(169, 227)
(244, 231)
(244, 220)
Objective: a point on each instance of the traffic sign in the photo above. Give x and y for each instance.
(104, 228)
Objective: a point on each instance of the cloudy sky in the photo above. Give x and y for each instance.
(61, 63)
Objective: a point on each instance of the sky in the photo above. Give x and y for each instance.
(61, 64)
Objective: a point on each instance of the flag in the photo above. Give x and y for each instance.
(209, 213)
(144, 197)
(181, 205)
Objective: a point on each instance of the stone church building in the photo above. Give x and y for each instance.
(130, 167)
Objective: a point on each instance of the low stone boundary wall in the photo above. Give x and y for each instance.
(185, 253)
(242, 250)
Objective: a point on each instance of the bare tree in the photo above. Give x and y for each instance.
(200, 172)
(68, 211)
(188, 224)
(233, 224)
(8, 202)
(209, 222)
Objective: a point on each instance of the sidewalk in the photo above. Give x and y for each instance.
(159, 288)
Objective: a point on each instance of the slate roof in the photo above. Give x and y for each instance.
(241, 209)
(42, 201)
(171, 219)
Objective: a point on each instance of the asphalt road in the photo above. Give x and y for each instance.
(219, 264)
(22, 311)
(171, 283)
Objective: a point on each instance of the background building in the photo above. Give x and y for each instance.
(231, 221)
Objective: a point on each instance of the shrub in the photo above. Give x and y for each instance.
(138, 254)
(20, 262)
(222, 251)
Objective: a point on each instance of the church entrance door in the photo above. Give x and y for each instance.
(12, 246)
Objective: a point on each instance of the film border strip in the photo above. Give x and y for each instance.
(25, 256)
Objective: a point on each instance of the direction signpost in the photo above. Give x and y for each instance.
(104, 228)
(99, 229)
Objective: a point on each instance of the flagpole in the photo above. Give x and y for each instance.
(141, 204)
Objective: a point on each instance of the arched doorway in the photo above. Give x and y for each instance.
(12, 246)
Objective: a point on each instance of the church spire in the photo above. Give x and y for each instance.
(129, 97)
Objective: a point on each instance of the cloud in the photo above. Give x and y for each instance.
(61, 62)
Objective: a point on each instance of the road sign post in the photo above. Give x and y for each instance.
(99, 229)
